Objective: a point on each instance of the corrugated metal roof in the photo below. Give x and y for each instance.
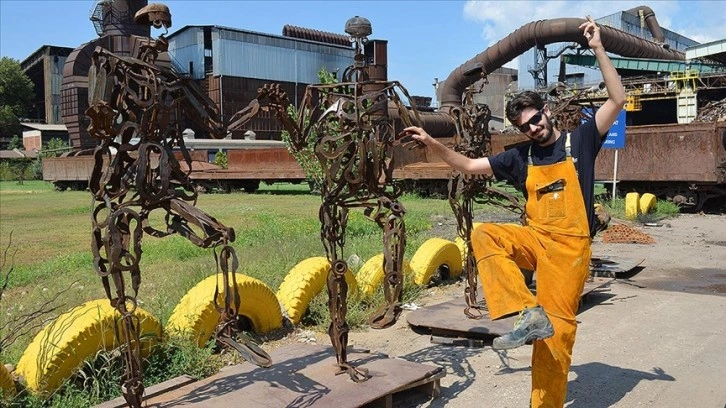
(651, 65)
(43, 126)
(255, 33)
(715, 50)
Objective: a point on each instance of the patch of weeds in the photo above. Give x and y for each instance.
(179, 356)
(68, 263)
(663, 209)
(174, 248)
(359, 310)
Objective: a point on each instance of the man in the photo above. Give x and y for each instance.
(556, 174)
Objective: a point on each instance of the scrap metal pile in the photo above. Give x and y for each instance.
(714, 111)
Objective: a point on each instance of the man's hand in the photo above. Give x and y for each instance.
(417, 134)
(592, 32)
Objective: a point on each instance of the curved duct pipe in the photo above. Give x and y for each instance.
(539, 33)
(650, 21)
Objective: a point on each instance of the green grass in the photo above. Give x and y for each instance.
(616, 208)
(275, 230)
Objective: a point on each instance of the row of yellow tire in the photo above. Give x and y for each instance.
(636, 204)
(60, 348)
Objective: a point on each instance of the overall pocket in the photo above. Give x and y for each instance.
(551, 202)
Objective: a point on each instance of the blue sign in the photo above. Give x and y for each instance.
(615, 138)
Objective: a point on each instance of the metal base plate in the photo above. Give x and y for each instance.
(612, 266)
(304, 376)
(448, 319)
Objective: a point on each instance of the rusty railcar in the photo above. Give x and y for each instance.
(683, 163)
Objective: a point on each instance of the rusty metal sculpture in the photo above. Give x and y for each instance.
(473, 140)
(137, 109)
(354, 136)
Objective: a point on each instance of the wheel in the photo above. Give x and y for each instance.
(435, 254)
(304, 281)
(371, 274)
(251, 186)
(61, 347)
(7, 386)
(195, 315)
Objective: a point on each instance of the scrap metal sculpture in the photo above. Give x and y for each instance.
(351, 124)
(137, 110)
(473, 140)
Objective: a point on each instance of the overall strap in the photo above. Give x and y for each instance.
(568, 149)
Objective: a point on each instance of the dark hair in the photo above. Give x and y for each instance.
(524, 100)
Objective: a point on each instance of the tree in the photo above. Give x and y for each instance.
(54, 147)
(16, 93)
(15, 143)
(306, 157)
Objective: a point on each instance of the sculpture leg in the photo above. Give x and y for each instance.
(122, 249)
(334, 219)
(461, 199)
(394, 246)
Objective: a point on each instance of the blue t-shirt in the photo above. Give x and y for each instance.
(511, 165)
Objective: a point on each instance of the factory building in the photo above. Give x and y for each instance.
(231, 64)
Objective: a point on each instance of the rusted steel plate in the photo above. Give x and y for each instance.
(649, 154)
(301, 375)
(448, 318)
(152, 391)
(613, 265)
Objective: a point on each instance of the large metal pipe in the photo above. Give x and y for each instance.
(539, 33)
(650, 21)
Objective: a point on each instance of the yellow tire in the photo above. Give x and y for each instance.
(632, 205)
(61, 347)
(304, 281)
(370, 276)
(7, 386)
(196, 315)
(433, 254)
(647, 203)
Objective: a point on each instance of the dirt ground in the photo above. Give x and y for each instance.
(651, 338)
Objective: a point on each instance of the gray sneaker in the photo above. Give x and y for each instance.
(532, 324)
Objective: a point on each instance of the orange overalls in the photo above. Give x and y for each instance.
(556, 244)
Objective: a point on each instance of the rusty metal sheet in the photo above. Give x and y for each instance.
(448, 318)
(67, 168)
(692, 152)
(301, 375)
(611, 266)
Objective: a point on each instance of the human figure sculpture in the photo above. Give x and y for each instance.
(354, 133)
(137, 109)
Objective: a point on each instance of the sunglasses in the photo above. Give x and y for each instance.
(534, 120)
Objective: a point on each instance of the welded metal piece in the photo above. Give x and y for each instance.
(353, 136)
(137, 110)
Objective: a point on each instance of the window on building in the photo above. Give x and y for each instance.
(576, 80)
